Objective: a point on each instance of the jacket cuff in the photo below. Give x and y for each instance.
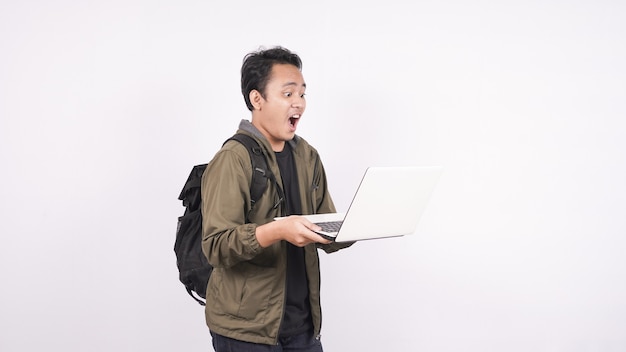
(250, 238)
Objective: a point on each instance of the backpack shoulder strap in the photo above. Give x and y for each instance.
(260, 169)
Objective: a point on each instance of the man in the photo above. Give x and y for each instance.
(264, 292)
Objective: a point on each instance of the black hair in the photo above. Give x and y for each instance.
(257, 67)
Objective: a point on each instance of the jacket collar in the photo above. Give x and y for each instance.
(248, 127)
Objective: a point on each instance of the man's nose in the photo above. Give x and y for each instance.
(299, 102)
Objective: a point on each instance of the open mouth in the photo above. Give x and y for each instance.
(293, 121)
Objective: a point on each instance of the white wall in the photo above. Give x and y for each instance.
(105, 106)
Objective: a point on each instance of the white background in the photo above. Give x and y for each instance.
(106, 105)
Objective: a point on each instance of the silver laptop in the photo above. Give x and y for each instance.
(388, 203)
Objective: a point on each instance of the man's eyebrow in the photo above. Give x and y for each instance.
(293, 84)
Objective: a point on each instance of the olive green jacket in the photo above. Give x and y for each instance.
(246, 292)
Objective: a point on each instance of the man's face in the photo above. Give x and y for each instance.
(277, 115)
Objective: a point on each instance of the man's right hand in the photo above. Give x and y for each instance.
(294, 229)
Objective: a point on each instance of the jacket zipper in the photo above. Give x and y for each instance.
(282, 313)
(315, 184)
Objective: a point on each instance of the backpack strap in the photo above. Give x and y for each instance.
(260, 170)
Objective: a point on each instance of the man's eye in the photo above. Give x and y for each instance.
(302, 95)
(288, 94)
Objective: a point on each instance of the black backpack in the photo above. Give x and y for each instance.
(194, 270)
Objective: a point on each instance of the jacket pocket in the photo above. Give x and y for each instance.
(243, 293)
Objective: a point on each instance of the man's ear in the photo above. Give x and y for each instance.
(256, 99)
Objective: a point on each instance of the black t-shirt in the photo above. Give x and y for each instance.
(297, 317)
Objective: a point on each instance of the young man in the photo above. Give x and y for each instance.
(264, 292)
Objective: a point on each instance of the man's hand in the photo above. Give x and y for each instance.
(294, 229)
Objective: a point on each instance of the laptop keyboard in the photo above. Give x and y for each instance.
(330, 226)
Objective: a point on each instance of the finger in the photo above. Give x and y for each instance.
(320, 239)
(306, 223)
(324, 240)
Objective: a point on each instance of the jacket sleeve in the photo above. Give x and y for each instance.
(226, 238)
